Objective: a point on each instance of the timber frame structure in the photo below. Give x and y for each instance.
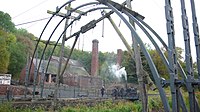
(171, 62)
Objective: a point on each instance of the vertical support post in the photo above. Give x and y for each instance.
(74, 88)
(172, 56)
(26, 77)
(188, 57)
(35, 75)
(197, 41)
(60, 62)
(42, 78)
(139, 68)
(196, 35)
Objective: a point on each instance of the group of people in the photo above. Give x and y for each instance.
(118, 92)
(124, 93)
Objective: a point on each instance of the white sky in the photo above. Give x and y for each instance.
(153, 10)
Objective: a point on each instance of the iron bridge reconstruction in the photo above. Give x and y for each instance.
(173, 66)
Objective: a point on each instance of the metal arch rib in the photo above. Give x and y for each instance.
(65, 29)
(152, 66)
(77, 18)
(151, 39)
(43, 32)
(54, 31)
(157, 48)
(164, 44)
(182, 72)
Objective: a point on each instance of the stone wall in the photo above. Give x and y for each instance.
(83, 81)
(14, 90)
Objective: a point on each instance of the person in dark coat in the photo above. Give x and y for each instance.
(102, 91)
(8, 94)
(122, 92)
(115, 93)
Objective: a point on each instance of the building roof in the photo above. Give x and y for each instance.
(74, 67)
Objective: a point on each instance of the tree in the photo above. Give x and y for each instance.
(4, 56)
(106, 61)
(26, 39)
(17, 58)
(162, 70)
(161, 67)
(106, 74)
(6, 40)
(6, 23)
(130, 66)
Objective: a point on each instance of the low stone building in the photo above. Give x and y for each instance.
(74, 75)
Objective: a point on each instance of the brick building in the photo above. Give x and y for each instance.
(74, 75)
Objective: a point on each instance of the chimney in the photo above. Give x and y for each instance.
(119, 57)
(95, 58)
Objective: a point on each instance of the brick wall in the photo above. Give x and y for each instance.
(82, 81)
(15, 90)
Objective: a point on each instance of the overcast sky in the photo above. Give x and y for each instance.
(153, 10)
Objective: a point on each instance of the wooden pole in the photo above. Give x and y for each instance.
(60, 66)
(139, 68)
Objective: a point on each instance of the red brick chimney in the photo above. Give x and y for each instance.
(119, 57)
(95, 58)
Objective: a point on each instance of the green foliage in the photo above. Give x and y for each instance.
(4, 53)
(26, 39)
(179, 52)
(106, 74)
(195, 70)
(198, 96)
(108, 106)
(6, 23)
(84, 57)
(162, 70)
(13, 52)
(137, 107)
(8, 37)
(7, 107)
(14, 46)
(155, 104)
(17, 58)
(130, 66)
(4, 57)
(107, 60)
(24, 33)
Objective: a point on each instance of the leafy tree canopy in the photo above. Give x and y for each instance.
(6, 23)
(17, 58)
(4, 53)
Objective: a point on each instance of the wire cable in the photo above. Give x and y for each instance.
(32, 21)
(30, 9)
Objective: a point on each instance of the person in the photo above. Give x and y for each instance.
(102, 91)
(115, 93)
(8, 93)
(122, 92)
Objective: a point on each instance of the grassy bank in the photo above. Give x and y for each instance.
(154, 105)
(108, 106)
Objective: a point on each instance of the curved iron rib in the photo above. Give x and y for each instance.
(152, 66)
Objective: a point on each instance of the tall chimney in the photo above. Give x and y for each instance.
(119, 57)
(95, 58)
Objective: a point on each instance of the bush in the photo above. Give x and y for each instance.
(7, 107)
(108, 106)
